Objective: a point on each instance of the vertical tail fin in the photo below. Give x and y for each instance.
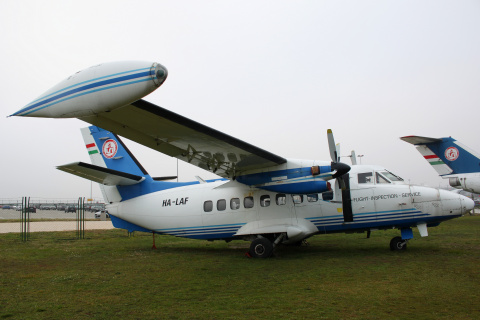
(107, 150)
(446, 155)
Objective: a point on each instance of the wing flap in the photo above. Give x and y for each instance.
(101, 175)
(185, 139)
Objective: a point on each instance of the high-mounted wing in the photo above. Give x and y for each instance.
(185, 139)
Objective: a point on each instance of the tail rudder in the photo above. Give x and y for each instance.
(107, 150)
(446, 155)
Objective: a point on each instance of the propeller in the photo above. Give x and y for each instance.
(331, 146)
(341, 168)
(341, 176)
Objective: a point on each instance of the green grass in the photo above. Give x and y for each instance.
(337, 276)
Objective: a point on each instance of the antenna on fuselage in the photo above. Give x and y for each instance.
(353, 157)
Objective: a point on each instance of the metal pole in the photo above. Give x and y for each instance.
(80, 214)
(25, 219)
(21, 218)
(28, 218)
(83, 218)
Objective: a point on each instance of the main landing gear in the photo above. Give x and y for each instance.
(262, 246)
(398, 244)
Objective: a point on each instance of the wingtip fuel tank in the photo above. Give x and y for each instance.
(100, 88)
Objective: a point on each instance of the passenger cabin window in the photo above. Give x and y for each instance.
(235, 203)
(281, 199)
(297, 198)
(366, 177)
(312, 197)
(208, 206)
(327, 196)
(221, 205)
(248, 202)
(380, 179)
(265, 201)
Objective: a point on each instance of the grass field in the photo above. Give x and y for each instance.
(337, 276)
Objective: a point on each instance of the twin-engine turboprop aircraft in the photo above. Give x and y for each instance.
(262, 197)
(451, 159)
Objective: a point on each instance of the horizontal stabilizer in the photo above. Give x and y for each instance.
(101, 175)
(419, 140)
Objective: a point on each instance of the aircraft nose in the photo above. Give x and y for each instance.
(469, 204)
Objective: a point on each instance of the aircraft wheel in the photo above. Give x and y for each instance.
(261, 248)
(398, 244)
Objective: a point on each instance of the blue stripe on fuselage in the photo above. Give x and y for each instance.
(204, 232)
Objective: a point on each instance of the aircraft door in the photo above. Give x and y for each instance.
(299, 204)
(362, 197)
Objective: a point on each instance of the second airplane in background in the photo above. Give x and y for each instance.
(451, 159)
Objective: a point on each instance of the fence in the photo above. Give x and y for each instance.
(27, 216)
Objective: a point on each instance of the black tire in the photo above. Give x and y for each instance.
(398, 244)
(261, 248)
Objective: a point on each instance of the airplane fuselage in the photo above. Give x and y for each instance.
(228, 209)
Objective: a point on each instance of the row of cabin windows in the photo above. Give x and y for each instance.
(280, 199)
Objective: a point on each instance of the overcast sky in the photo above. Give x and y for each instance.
(276, 74)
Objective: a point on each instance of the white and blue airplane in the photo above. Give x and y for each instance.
(261, 197)
(451, 159)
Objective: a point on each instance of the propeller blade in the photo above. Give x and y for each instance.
(331, 146)
(346, 198)
(337, 150)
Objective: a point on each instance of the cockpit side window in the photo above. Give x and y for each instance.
(366, 177)
(380, 179)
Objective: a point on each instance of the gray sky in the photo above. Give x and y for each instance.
(276, 74)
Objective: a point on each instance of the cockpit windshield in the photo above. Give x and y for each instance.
(391, 176)
(380, 179)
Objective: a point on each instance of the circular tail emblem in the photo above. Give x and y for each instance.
(451, 154)
(109, 148)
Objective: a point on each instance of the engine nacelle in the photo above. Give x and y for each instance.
(100, 88)
(295, 178)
